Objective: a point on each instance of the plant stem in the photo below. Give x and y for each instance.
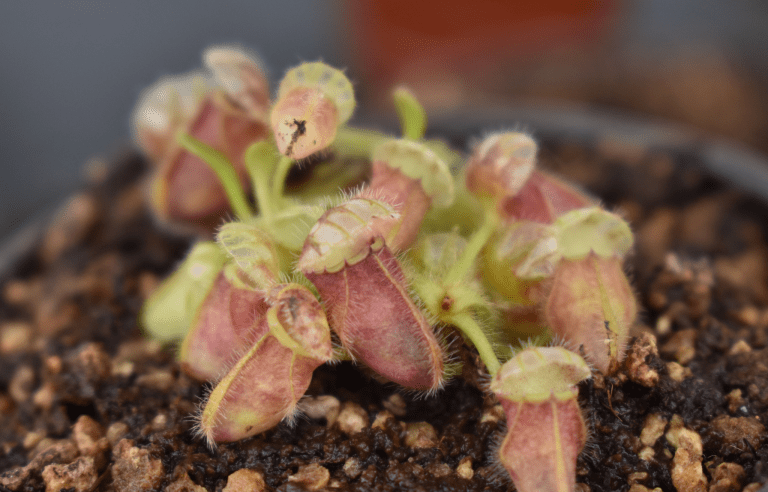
(476, 243)
(357, 142)
(223, 169)
(260, 162)
(469, 327)
(278, 179)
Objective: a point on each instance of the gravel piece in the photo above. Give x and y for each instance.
(396, 404)
(653, 429)
(160, 380)
(681, 346)
(88, 435)
(736, 434)
(636, 363)
(245, 480)
(352, 418)
(420, 435)
(116, 432)
(727, 477)
(80, 476)
(352, 468)
(380, 422)
(311, 477)
(464, 469)
(15, 337)
(134, 469)
(321, 407)
(184, 484)
(21, 384)
(63, 451)
(687, 472)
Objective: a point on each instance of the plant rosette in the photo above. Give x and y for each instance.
(425, 251)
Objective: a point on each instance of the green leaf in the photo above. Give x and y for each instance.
(413, 118)
(224, 170)
(168, 312)
(260, 161)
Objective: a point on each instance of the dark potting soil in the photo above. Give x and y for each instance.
(87, 403)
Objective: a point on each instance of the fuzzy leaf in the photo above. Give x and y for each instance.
(344, 234)
(313, 100)
(537, 373)
(592, 229)
(265, 384)
(253, 251)
(591, 305)
(418, 162)
(545, 428)
(501, 165)
(370, 310)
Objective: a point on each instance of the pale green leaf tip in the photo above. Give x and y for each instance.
(537, 373)
(413, 118)
(419, 162)
(167, 313)
(593, 229)
(329, 80)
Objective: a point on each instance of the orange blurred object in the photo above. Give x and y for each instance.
(428, 41)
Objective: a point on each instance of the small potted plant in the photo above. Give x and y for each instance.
(273, 299)
(428, 248)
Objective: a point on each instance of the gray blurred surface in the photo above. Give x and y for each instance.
(71, 70)
(737, 27)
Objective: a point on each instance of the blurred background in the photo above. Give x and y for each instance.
(73, 69)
